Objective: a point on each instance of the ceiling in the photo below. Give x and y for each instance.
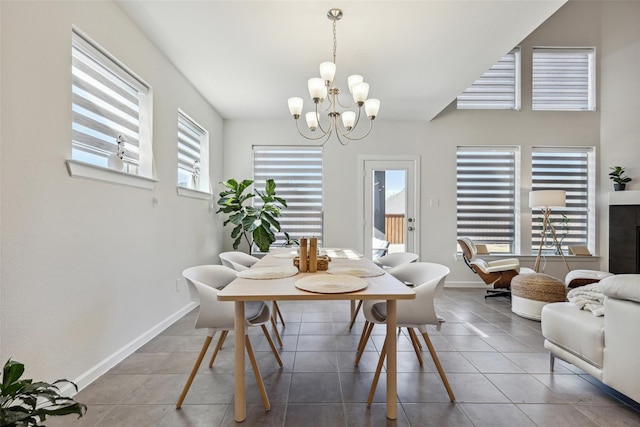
(248, 57)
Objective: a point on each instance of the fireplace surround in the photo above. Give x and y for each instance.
(624, 233)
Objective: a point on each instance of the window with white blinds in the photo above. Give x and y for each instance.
(563, 79)
(496, 89)
(193, 144)
(572, 170)
(486, 196)
(297, 172)
(107, 101)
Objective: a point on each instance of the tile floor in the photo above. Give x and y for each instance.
(495, 362)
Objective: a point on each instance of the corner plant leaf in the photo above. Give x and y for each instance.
(262, 239)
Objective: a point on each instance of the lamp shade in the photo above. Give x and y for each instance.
(547, 198)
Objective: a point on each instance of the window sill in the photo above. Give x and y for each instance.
(98, 173)
(532, 258)
(195, 194)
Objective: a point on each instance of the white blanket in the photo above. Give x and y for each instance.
(588, 297)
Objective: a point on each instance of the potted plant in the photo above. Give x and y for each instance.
(27, 403)
(617, 175)
(256, 225)
(290, 241)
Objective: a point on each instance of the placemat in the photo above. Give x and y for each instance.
(331, 284)
(357, 271)
(278, 272)
(286, 254)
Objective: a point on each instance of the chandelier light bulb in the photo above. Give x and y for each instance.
(328, 71)
(312, 120)
(295, 106)
(371, 107)
(348, 119)
(316, 88)
(360, 92)
(354, 80)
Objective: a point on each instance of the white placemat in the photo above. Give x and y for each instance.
(357, 271)
(287, 254)
(268, 272)
(331, 284)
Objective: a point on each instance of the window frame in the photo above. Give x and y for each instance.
(304, 194)
(139, 172)
(582, 160)
(511, 190)
(538, 101)
(488, 91)
(199, 140)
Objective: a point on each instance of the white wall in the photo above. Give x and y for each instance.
(575, 24)
(89, 268)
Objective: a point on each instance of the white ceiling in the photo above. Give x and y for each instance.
(248, 57)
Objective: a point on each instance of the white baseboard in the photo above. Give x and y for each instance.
(474, 285)
(106, 364)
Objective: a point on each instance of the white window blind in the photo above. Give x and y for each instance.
(192, 139)
(572, 170)
(496, 89)
(563, 79)
(486, 196)
(297, 172)
(107, 101)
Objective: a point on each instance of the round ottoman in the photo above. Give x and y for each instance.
(531, 292)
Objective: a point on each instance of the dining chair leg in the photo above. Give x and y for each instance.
(192, 375)
(273, 347)
(443, 376)
(223, 336)
(277, 310)
(275, 330)
(256, 372)
(415, 337)
(416, 344)
(355, 314)
(362, 335)
(363, 341)
(376, 377)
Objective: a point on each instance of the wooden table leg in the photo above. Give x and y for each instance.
(241, 408)
(392, 360)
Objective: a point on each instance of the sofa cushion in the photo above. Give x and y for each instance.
(622, 286)
(577, 331)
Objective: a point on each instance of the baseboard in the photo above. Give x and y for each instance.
(474, 285)
(106, 364)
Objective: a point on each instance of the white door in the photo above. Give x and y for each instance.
(390, 189)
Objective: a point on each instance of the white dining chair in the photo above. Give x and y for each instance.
(387, 262)
(205, 281)
(428, 279)
(241, 261)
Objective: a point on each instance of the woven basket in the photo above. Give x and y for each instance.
(323, 262)
(538, 287)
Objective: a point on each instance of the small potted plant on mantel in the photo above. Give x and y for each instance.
(617, 175)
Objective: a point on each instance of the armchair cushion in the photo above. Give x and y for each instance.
(622, 286)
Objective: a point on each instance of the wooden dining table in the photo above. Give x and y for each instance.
(380, 287)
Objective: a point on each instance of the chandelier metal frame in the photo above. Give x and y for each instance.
(323, 89)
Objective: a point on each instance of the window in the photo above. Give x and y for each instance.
(193, 149)
(564, 79)
(486, 196)
(497, 89)
(297, 172)
(572, 170)
(109, 103)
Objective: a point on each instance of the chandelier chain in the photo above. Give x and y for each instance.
(335, 40)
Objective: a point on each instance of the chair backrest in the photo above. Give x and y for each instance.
(396, 258)
(204, 283)
(429, 279)
(380, 248)
(469, 250)
(237, 260)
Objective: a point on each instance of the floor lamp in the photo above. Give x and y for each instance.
(545, 200)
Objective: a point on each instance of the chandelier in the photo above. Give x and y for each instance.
(323, 89)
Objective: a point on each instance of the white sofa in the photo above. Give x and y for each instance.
(606, 347)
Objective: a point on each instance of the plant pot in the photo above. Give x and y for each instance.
(619, 187)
